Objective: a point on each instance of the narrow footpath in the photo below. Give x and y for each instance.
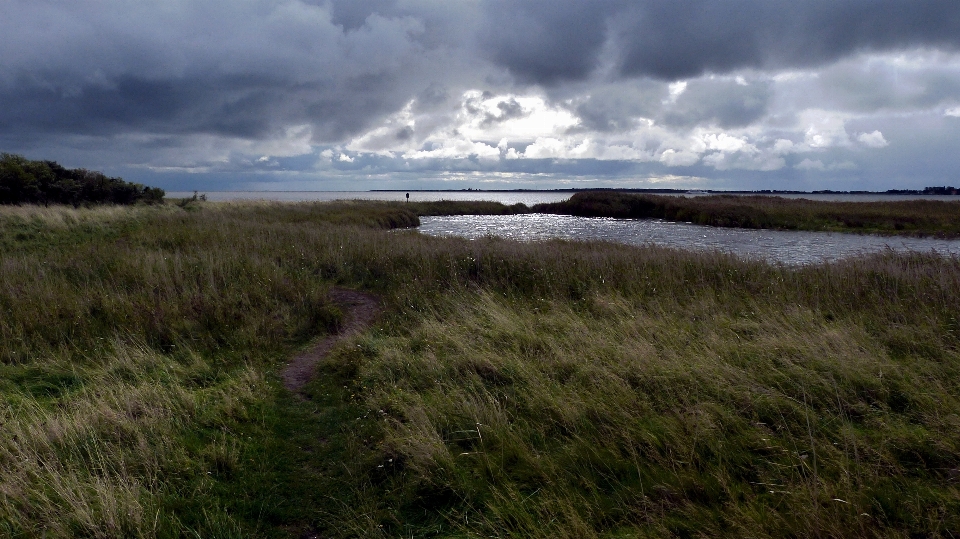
(359, 309)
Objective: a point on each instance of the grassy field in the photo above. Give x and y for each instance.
(904, 217)
(508, 390)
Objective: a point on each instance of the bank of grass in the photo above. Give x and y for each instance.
(902, 217)
(514, 390)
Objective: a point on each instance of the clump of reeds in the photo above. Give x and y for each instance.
(905, 217)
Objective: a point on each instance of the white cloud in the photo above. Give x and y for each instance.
(783, 146)
(676, 89)
(517, 117)
(810, 164)
(726, 143)
(873, 140)
(289, 142)
(955, 112)
(546, 147)
(682, 158)
(621, 152)
(754, 160)
(824, 129)
(456, 148)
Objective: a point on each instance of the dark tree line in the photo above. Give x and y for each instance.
(23, 181)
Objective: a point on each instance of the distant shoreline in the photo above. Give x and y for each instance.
(936, 191)
(891, 192)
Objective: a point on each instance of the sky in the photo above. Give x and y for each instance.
(487, 94)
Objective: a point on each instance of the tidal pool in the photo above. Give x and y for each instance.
(788, 247)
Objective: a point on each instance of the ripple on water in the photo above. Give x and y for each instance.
(788, 247)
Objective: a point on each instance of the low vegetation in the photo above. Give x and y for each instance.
(903, 217)
(23, 181)
(552, 389)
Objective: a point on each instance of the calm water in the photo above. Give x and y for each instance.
(787, 247)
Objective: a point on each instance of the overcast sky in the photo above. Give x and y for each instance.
(487, 94)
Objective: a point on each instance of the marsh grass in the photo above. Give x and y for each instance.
(555, 389)
(905, 217)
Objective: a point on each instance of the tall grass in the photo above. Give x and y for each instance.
(529, 390)
(905, 217)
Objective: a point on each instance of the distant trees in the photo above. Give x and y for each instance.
(23, 181)
(944, 190)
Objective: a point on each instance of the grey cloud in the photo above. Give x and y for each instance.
(719, 101)
(847, 85)
(614, 107)
(352, 14)
(232, 69)
(444, 24)
(723, 102)
(434, 95)
(509, 110)
(689, 37)
(202, 82)
(544, 41)
(547, 42)
(404, 134)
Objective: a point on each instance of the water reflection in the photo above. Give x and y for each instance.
(787, 247)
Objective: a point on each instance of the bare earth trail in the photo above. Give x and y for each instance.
(359, 308)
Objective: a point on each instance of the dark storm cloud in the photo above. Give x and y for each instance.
(544, 40)
(242, 69)
(230, 107)
(547, 42)
(351, 14)
(236, 106)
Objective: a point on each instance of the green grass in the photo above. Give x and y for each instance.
(906, 217)
(513, 390)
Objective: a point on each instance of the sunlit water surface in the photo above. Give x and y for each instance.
(788, 247)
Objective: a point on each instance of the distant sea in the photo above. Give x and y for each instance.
(506, 197)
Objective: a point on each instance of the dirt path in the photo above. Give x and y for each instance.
(359, 308)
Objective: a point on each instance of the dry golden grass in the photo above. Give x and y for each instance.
(554, 389)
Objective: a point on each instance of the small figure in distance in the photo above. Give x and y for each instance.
(408, 197)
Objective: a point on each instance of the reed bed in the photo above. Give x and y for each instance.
(906, 217)
(555, 389)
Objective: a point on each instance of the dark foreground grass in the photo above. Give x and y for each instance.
(906, 217)
(522, 390)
